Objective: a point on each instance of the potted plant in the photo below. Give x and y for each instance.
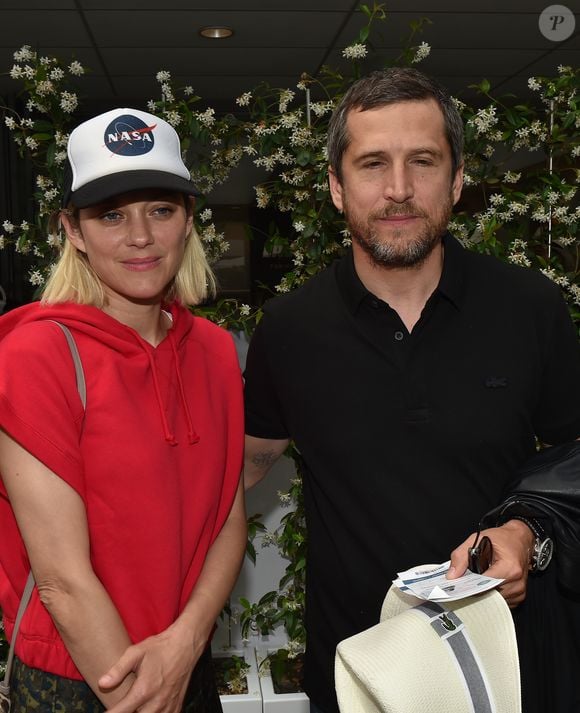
(237, 680)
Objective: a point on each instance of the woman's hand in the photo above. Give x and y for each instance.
(162, 667)
(512, 545)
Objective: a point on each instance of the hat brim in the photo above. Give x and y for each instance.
(401, 665)
(115, 184)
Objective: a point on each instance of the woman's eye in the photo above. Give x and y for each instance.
(163, 210)
(110, 216)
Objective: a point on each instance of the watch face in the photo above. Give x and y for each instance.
(544, 553)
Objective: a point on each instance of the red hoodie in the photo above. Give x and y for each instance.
(156, 457)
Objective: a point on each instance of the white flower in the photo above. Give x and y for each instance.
(8, 226)
(245, 310)
(173, 117)
(564, 69)
(262, 197)
(24, 225)
(283, 286)
(575, 151)
(31, 143)
(60, 138)
(298, 226)
(459, 105)
(54, 239)
(151, 105)
(533, 84)
(207, 117)
(286, 97)
(76, 68)
(56, 74)
(24, 53)
(163, 76)
(45, 87)
(28, 123)
(60, 157)
(46, 61)
(245, 99)
(511, 177)
(167, 93)
(188, 91)
(356, 51)
(16, 72)
(2, 242)
(205, 215)
(10, 123)
(484, 120)
(36, 278)
(68, 102)
(301, 86)
(285, 498)
(28, 72)
(423, 51)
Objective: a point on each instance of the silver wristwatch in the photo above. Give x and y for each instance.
(541, 554)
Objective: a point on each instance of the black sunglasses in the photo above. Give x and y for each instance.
(480, 554)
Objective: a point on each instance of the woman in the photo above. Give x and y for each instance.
(130, 512)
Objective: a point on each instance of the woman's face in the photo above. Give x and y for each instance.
(134, 242)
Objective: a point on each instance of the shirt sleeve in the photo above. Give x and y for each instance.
(263, 413)
(39, 403)
(557, 416)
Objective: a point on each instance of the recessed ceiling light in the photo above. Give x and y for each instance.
(216, 32)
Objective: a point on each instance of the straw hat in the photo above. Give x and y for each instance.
(424, 657)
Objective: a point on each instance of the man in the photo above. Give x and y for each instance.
(413, 376)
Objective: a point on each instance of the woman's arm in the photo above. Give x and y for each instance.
(52, 520)
(164, 663)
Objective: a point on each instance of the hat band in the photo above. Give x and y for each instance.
(452, 630)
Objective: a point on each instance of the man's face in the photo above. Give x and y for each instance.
(397, 190)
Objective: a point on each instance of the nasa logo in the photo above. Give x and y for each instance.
(127, 135)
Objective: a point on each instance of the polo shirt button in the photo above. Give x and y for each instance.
(375, 304)
(399, 336)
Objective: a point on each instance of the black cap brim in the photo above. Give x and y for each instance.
(115, 184)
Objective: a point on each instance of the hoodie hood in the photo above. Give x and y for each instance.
(89, 323)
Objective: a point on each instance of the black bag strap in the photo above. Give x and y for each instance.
(82, 389)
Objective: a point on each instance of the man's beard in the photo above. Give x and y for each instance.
(397, 250)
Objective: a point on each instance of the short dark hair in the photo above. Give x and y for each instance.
(390, 86)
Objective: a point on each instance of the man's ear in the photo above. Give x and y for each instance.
(73, 231)
(335, 189)
(457, 184)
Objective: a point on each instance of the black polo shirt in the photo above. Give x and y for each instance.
(407, 439)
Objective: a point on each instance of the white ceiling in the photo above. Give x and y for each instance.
(126, 42)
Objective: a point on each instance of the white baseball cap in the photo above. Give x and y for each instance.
(123, 150)
(461, 657)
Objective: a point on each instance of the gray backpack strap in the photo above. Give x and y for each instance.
(5, 685)
(82, 389)
(81, 385)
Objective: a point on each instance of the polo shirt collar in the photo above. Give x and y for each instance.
(451, 285)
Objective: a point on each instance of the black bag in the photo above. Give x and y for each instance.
(548, 487)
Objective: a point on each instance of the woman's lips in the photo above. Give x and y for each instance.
(141, 264)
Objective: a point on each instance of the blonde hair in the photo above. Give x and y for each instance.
(73, 279)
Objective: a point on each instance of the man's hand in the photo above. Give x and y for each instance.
(512, 545)
(162, 666)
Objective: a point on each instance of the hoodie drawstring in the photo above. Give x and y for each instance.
(169, 437)
(191, 433)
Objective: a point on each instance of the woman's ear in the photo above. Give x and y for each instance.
(72, 229)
